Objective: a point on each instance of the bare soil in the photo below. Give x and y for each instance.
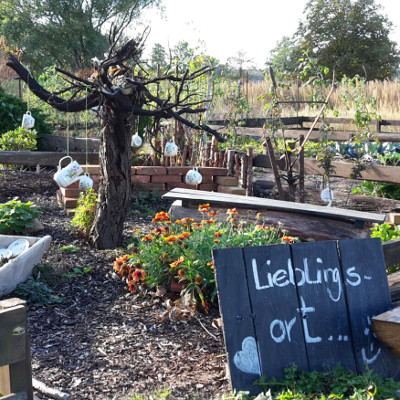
(102, 342)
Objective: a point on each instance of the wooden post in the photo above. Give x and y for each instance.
(237, 166)
(301, 171)
(249, 183)
(230, 161)
(275, 168)
(243, 171)
(15, 354)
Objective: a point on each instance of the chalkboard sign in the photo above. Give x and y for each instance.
(308, 304)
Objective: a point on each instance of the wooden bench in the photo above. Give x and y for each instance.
(193, 197)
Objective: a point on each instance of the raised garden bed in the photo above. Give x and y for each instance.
(19, 268)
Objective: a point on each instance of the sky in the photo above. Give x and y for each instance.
(222, 28)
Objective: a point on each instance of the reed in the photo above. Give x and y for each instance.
(387, 94)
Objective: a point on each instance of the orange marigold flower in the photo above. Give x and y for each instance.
(136, 230)
(170, 239)
(179, 222)
(212, 213)
(216, 240)
(208, 221)
(198, 280)
(179, 261)
(147, 238)
(132, 287)
(197, 225)
(217, 234)
(259, 215)
(232, 211)
(187, 221)
(161, 217)
(139, 275)
(203, 208)
(286, 239)
(211, 264)
(184, 235)
(181, 274)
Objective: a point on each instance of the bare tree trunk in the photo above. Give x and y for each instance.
(115, 186)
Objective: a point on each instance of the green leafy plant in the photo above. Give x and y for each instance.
(336, 384)
(17, 217)
(37, 292)
(85, 212)
(18, 140)
(181, 251)
(12, 109)
(77, 272)
(143, 202)
(70, 248)
(387, 190)
(386, 232)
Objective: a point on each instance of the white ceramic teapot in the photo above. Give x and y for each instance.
(136, 140)
(171, 149)
(85, 181)
(193, 177)
(69, 174)
(28, 122)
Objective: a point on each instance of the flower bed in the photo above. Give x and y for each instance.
(181, 251)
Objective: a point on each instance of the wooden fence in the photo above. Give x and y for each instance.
(15, 353)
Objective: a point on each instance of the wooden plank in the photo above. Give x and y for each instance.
(367, 294)
(391, 251)
(299, 225)
(378, 173)
(56, 143)
(12, 335)
(237, 317)
(323, 305)
(16, 396)
(276, 322)
(387, 328)
(200, 196)
(44, 158)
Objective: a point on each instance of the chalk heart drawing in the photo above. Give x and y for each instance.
(247, 358)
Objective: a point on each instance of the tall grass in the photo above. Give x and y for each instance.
(387, 94)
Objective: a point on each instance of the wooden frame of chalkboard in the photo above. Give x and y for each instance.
(308, 304)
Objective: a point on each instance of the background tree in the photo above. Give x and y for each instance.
(284, 57)
(351, 35)
(158, 56)
(123, 89)
(64, 33)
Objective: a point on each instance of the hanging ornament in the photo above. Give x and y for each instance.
(193, 177)
(171, 149)
(327, 195)
(136, 140)
(28, 122)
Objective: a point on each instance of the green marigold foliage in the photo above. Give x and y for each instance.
(181, 251)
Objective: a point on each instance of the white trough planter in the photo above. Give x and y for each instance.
(19, 269)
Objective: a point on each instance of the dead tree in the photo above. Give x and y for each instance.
(121, 89)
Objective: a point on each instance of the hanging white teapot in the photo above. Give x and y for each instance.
(136, 140)
(193, 177)
(28, 122)
(69, 174)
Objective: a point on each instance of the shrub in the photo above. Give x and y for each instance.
(18, 140)
(85, 212)
(181, 250)
(17, 217)
(13, 108)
